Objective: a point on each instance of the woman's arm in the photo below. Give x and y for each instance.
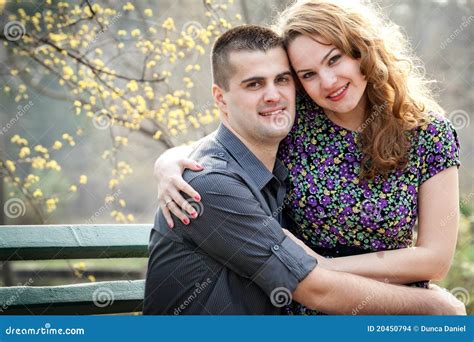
(430, 259)
(168, 170)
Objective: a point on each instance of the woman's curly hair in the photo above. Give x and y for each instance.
(399, 96)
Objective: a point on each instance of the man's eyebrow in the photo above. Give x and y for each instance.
(285, 73)
(260, 78)
(253, 79)
(322, 61)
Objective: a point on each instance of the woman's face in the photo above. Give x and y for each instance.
(332, 79)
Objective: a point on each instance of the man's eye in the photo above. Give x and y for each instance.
(283, 80)
(334, 59)
(253, 85)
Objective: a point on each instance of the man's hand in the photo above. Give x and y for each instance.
(322, 261)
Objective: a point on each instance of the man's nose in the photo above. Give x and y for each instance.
(272, 94)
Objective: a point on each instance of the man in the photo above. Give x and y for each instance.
(235, 257)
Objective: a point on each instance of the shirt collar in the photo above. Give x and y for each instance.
(248, 161)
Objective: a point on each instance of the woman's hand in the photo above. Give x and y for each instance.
(168, 171)
(452, 303)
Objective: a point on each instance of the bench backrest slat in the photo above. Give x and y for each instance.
(73, 242)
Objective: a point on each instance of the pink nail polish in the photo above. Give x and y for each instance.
(186, 221)
(194, 215)
(197, 198)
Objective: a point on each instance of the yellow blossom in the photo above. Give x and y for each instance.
(73, 188)
(83, 179)
(169, 24)
(67, 72)
(38, 163)
(58, 37)
(148, 12)
(132, 86)
(24, 151)
(53, 164)
(128, 7)
(10, 165)
(113, 183)
(122, 33)
(37, 193)
(57, 145)
(51, 204)
(135, 33)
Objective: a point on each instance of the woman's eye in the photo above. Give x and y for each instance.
(334, 59)
(308, 75)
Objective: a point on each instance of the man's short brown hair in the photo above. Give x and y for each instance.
(240, 38)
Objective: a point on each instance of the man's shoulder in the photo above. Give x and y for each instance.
(215, 159)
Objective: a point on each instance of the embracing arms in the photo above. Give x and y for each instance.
(430, 259)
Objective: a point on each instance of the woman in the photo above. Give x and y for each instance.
(369, 155)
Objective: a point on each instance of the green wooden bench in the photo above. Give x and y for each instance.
(73, 242)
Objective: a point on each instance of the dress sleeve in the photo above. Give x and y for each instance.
(438, 147)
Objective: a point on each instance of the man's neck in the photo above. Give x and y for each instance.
(264, 151)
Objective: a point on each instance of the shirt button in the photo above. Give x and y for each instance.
(276, 248)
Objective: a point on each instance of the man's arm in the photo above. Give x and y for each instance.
(343, 293)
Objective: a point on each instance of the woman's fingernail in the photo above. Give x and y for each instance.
(199, 166)
(197, 198)
(170, 224)
(194, 214)
(186, 221)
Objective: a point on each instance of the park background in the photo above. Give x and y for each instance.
(92, 92)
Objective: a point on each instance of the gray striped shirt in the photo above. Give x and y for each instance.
(234, 258)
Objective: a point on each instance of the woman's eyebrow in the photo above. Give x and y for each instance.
(322, 61)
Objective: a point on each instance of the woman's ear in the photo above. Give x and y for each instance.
(218, 94)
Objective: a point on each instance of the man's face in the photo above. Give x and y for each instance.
(259, 105)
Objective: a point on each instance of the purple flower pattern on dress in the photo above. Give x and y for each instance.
(333, 207)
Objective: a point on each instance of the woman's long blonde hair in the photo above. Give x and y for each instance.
(399, 96)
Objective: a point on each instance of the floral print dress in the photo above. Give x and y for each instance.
(334, 211)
